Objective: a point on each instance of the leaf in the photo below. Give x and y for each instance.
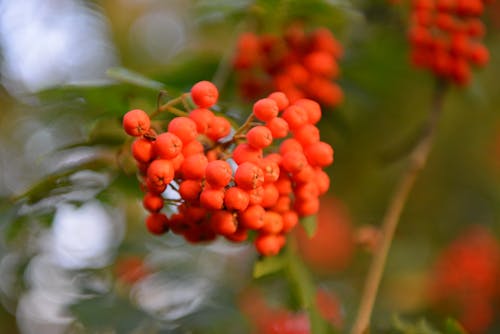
(131, 77)
(408, 327)
(309, 224)
(268, 265)
(452, 326)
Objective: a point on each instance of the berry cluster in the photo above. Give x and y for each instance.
(466, 278)
(298, 64)
(261, 177)
(446, 35)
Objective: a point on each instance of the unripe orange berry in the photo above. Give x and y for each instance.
(184, 128)
(136, 122)
(143, 150)
(204, 94)
(249, 176)
(157, 223)
(236, 199)
(218, 173)
(259, 137)
(168, 145)
(265, 109)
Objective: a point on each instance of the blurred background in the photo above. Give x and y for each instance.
(74, 253)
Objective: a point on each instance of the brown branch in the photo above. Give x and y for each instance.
(416, 162)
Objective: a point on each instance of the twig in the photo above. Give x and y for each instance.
(416, 162)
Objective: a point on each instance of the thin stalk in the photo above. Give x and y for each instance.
(416, 162)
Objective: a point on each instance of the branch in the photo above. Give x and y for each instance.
(416, 162)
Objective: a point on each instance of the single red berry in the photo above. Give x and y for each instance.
(268, 244)
(246, 153)
(249, 176)
(270, 195)
(204, 94)
(184, 128)
(270, 168)
(259, 137)
(160, 173)
(280, 99)
(223, 222)
(202, 117)
(307, 134)
(190, 189)
(273, 223)
(168, 145)
(152, 202)
(294, 161)
(253, 217)
(218, 173)
(143, 150)
(290, 220)
(319, 154)
(157, 223)
(218, 128)
(256, 195)
(295, 116)
(265, 109)
(236, 199)
(240, 235)
(136, 122)
(278, 127)
(212, 198)
(193, 147)
(193, 166)
(312, 109)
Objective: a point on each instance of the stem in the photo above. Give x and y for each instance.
(245, 125)
(169, 106)
(416, 162)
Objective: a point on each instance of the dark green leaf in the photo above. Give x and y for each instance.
(453, 327)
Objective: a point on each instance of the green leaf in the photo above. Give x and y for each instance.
(453, 327)
(268, 265)
(309, 224)
(422, 326)
(134, 78)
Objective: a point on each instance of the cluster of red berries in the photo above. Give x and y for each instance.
(299, 64)
(465, 281)
(446, 35)
(261, 177)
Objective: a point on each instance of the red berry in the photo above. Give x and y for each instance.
(204, 94)
(218, 173)
(265, 109)
(136, 122)
(157, 223)
(249, 176)
(160, 173)
(168, 145)
(236, 199)
(184, 128)
(143, 150)
(259, 137)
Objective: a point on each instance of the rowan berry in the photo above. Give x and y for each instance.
(322, 180)
(152, 202)
(202, 117)
(212, 198)
(143, 150)
(253, 217)
(265, 109)
(295, 116)
(307, 207)
(307, 134)
(283, 204)
(184, 128)
(160, 173)
(259, 137)
(245, 153)
(268, 244)
(236, 199)
(270, 195)
(157, 223)
(193, 166)
(319, 154)
(190, 189)
(312, 109)
(294, 161)
(321, 63)
(290, 220)
(136, 122)
(278, 127)
(218, 173)
(218, 128)
(281, 100)
(240, 235)
(273, 223)
(249, 176)
(204, 94)
(270, 168)
(167, 145)
(191, 148)
(223, 222)
(290, 145)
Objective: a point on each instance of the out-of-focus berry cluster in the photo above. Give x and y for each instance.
(466, 277)
(301, 64)
(260, 178)
(446, 37)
